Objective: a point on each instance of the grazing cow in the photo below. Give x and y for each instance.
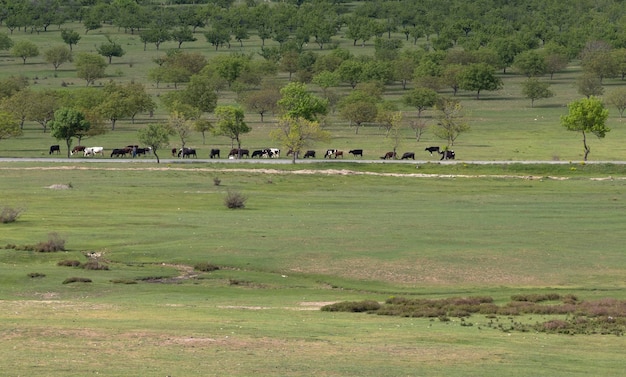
(258, 153)
(357, 152)
(92, 151)
(273, 152)
(432, 149)
(333, 152)
(215, 153)
(143, 151)
(408, 155)
(447, 155)
(310, 154)
(119, 152)
(389, 156)
(76, 149)
(187, 153)
(174, 152)
(238, 153)
(55, 148)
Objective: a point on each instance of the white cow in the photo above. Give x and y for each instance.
(92, 151)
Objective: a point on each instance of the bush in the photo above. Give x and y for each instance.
(235, 200)
(68, 263)
(217, 181)
(76, 280)
(54, 243)
(123, 281)
(205, 267)
(353, 306)
(95, 265)
(9, 215)
(36, 275)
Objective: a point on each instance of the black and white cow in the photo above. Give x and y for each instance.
(258, 153)
(447, 155)
(432, 149)
(187, 153)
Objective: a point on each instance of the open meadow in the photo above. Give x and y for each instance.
(306, 238)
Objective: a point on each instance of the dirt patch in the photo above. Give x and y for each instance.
(59, 187)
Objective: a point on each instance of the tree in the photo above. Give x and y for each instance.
(230, 123)
(156, 136)
(261, 101)
(70, 37)
(478, 77)
(5, 42)
(534, 89)
(9, 126)
(202, 126)
(156, 36)
(450, 123)
(182, 125)
(420, 98)
(617, 98)
(24, 49)
(110, 49)
(43, 105)
(58, 55)
(90, 67)
(359, 107)
(67, 124)
(587, 115)
(115, 104)
(297, 134)
(298, 102)
(589, 84)
(184, 34)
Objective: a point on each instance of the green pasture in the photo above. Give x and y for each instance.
(504, 126)
(303, 240)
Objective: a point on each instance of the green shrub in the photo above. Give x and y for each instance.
(353, 306)
(9, 215)
(205, 267)
(95, 265)
(123, 281)
(68, 263)
(54, 243)
(36, 275)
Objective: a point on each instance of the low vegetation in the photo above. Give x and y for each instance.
(235, 200)
(10, 214)
(54, 243)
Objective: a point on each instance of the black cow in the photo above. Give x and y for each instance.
(309, 154)
(432, 149)
(55, 148)
(447, 155)
(389, 156)
(238, 153)
(215, 153)
(258, 153)
(408, 155)
(187, 152)
(119, 152)
(174, 152)
(356, 152)
(143, 151)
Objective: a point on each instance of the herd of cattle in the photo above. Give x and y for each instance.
(237, 153)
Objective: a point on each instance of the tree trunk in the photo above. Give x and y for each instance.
(587, 149)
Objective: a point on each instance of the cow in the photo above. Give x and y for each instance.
(238, 153)
(389, 156)
(447, 155)
(356, 152)
(333, 152)
(408, 155)
(187, 153)
(55, 148)
(309, 154)
(174, 152)
(258, 153)
(76, 149)
(143, 151)
(432, 149)
(215, 153)
(92, 151)
(273, 152)
(119, 152)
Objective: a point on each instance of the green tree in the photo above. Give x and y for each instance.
(297, 134)
(421, 99)
(586, 116)
(5, 42)
(155, 35)
(9, 126)
(534, 89)
(298, 102)
(230, 123)
(261, 101)
(70, 37)
(156, 136)
(110, 49)
(24, 49)
(182, 35)
(57, 55)
(530, 63)
(42, 106)
(450, 123)
(90, 67)
(588, 84)
(479, 77)
(67, 124)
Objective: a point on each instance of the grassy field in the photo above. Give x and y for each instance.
(303, 240)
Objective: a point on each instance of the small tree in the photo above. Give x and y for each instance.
(70, 37)
(534, 89)
(9, 126)
(589, 85)
(67, 124)
(110, 49)
(58, 55)
(478, 77)
(617, 98)
(450, 122)
(24, 49)
(296, 134)
(586, 116)
(156, 136)
(230, 123)
(420, 98)
(90, 67)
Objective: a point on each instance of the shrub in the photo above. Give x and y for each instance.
(235, 200)
(76, 280)
(353, 306)
(9, 215)
(217, 181)
(68, 263)
(95, 265)
(54, 243)
(205, 267)
(123, 281)
(36, 275)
